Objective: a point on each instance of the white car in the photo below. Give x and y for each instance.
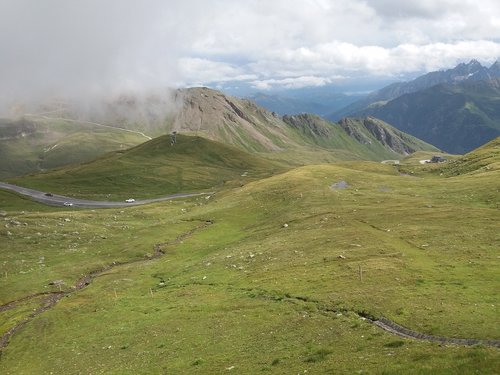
(68, 204)
(130, 200)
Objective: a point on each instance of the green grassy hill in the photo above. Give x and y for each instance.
(353, 139)
(276, 276)
(27, 146)
(155, 168)
(485, 159)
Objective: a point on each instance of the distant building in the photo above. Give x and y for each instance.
(437, 159)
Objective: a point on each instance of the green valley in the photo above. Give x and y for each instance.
(280, 274)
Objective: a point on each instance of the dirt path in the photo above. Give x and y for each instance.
(396, 329)
(15, 303)
(52, 298)
(88, 122)
(390, 161)
(383, 323)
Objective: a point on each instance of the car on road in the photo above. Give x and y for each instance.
(130, 200)
(68, 204)
(49, 194)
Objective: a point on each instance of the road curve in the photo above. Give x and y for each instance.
(59, 200)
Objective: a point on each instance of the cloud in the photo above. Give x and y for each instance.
(293, 83)
(89, 48)
(291, 41)
(337, 62)
(202, 71)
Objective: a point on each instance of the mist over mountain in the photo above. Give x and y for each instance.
(64, 134)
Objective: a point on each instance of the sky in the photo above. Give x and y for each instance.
(85, 48)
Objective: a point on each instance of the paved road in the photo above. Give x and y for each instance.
(59, 200)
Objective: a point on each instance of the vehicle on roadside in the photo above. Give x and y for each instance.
(130, 200)
(68, 204)
(49, 194)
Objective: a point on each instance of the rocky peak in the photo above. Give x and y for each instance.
(494, 69)
(353, 127)
(474, 64)
(308, 123)
(472, 70)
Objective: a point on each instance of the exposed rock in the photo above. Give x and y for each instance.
(57, 282)
(352, 128)
(307, 123)
(339, 185)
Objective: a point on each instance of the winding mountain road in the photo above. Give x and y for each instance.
(60, 200)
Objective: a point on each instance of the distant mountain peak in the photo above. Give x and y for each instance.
(494, 69)
(474, 62)
(470, 72)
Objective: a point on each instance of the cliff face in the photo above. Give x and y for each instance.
(369, 129)
(231, 120)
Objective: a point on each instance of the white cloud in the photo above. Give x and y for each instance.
(284, 41)
(202, 71)
(293, 83)
(95, 46)
(327, 63)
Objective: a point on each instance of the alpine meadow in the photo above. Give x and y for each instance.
(307, 187)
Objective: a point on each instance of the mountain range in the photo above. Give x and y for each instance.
(472, 71)
(456, 110)
(456, 118)
(313, 100)
(299, 139)
(295, 140)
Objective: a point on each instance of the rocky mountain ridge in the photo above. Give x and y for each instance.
(300, 139)
(464, 72)
(456, 118)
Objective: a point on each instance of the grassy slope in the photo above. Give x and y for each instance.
(485, 159)
(482, 160)
(329, 136)
(55, 143)
(155, 168)
(249, 293)
(326, 141)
